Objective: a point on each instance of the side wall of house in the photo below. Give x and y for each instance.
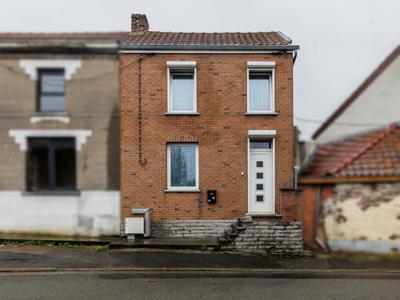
(363, 217)
(366, 111)
(92, 104)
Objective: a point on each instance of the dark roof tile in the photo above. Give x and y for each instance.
(157, 38)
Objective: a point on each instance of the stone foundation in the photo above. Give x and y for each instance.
(269, 237)
(190, 228)
(258, 236)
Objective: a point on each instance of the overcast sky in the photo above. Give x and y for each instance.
(341, 41)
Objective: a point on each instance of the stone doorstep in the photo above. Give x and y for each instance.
(167, 243)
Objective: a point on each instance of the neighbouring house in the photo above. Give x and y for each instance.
(207, 136)
(375, 103)
(351, 193)
(59, 136)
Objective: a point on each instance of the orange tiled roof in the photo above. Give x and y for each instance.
(376, 153)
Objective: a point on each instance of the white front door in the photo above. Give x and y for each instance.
(261, 177)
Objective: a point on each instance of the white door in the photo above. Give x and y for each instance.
(261, 177)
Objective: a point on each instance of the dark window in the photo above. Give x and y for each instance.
(51, 164)
(260, 175)
(259, 198)
(260, 187)
(51, 90)
(260, 145)
(260, 164)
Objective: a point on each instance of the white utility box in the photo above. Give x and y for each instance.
(134, 226)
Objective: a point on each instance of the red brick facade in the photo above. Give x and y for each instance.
(220, 130)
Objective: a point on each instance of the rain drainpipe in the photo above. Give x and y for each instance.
(142, 160)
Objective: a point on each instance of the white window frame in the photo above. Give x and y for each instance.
(261, 135)
(182, 65)
(182, 188)
(267, 66)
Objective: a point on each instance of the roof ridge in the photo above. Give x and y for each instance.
(385, 133)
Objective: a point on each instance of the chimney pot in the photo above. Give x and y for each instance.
(139, 23)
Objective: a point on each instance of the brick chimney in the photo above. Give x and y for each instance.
(139, 23)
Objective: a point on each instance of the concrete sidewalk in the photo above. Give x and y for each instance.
(49, 259)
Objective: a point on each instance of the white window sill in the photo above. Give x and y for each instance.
(183, 191)
(256, 113)
(55, 117)
(182, 113)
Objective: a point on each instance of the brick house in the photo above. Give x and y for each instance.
(207, 135)
(59, 103)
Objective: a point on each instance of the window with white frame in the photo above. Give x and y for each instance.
(182, 87)
(260, 87)
(183, 167)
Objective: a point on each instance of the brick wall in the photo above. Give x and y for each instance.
(308, 210)
(220, 131)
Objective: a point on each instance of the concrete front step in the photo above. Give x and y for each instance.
(167, 243)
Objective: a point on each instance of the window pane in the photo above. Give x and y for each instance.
(259, 91)
(38, 165)
(183, 165)
(51, 90)
(52, 103)
(64, 164)
(182, 91)
(260, 145)
(260, 198)
(52, 81)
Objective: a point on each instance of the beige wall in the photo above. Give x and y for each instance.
(92, 98)
(363, 217)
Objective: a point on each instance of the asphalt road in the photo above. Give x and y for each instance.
(125, 286)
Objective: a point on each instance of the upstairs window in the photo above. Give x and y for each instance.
(260, 93)
(182, 87)
(51, 90)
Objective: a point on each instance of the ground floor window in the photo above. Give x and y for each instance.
(51, 164)
(183, 167)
